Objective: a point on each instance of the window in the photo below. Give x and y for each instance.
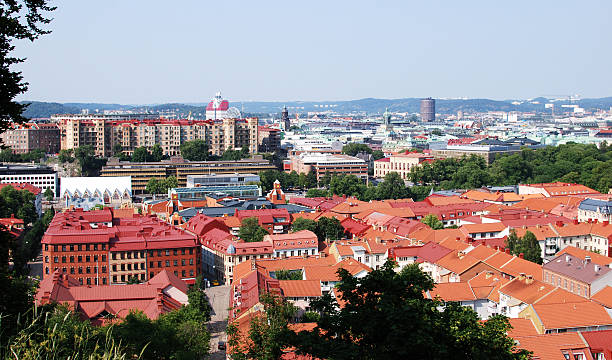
(151, 274)
(182, 251)
(175, 262)
(190, 251)
(63, 259)
(80, 258)
(87, 258)
(114, 278)
(103, 281)
(190, 261)
(183, 262)
(88, 281)
(183, 273)
(151, 264)
(159, 264)
(167, 263)
(88, 270)
(103, 269)
(167, 252)
(80, 269)
(72, 270)
(103, 257)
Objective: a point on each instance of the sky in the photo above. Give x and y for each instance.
(147, 52)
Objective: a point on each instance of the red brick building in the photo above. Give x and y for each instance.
(96, 248)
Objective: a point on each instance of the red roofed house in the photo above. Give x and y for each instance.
(161, 294)
(96, 248)
(276, 195)
(555, 189)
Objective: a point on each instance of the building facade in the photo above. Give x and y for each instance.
(27, 137)
(333, 164)
(269, 139)
(141, 172)
(428, 110)
(103, 134)
(43, 177)
(97, 248)
(401, 164)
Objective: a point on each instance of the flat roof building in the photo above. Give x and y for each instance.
(40, 176)
(141, 172)
(334, 164)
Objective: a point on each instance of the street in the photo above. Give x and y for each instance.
(219, 300)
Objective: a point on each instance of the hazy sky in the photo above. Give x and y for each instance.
(134, 51)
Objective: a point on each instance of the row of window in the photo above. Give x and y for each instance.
(78, 258)
(80, 270)
(76, 247)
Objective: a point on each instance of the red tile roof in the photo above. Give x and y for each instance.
(22, 186)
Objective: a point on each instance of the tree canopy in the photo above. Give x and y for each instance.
(195, 150)
(161, 186)
(353, 149)
(379, 313)
(432, 221)
(527, 245)
(21, 20)
(251, 231)
(575, 163)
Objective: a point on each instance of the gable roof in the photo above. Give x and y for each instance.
(572, 315)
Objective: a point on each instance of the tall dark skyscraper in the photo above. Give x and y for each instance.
(285, 118)
(428, 110)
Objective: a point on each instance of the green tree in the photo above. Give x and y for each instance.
(65, 156)
(349, 185)
(377, 154)
(325, 179)
(367, 326)
(353, 149)
(250, 231)
(90, 164)
(313, 192)
(141, 154)
(195, 150)
(153, 186)
(264, 338)
(157, 153)
(329, 228)
(288, 274)
(433, 222)
(170, 183)
(392, 187)
(21, 20)
(303, 224)
(48, 194)
(531, 248)
(512, 242)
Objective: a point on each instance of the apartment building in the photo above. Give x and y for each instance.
(180, 168)
(269, 139)
(104, 132)
(322, 163)
(401, 164)
(98, 248)
(32, 136)
(579, 276)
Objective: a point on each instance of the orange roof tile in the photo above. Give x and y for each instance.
(300, 288)
(482, 252)
(452, 291)
(526, 293)
(231, 221)
(550, 346)
(478, 195)
(521, 327)
(560, 296)
(447, 200)
(457, 263)
(517, 265)
(498, 259)
(571, 315)
(604, 297)
(481, 228)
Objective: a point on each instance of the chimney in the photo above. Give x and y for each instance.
(605, 222)
(529, 279)
(567, 258)
(460, 254)
(521, 276)
(575, 221)
(378, 239)
(597, 268)
(507, 251)
(522, 256)
(587, 259)
(488, 274)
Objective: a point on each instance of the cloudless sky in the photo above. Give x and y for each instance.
(144, 52)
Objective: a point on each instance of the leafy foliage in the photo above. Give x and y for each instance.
(161, 186)
(7, 155)
(385, 308)
(48, 194)
(576, 163)
(89, 162)
(250, 231)
(288, 274)
(21, 20)
(311, 193)
(293, 179)
(195, 150)
(527, 245)
(433, 222)
(324, 227)
(353, 149)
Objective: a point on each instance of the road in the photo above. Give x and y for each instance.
(219, 299)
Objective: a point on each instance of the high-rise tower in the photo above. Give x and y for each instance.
(285, 118)
(428, 110)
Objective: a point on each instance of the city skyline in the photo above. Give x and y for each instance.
(317, 52)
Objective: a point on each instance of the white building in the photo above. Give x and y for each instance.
(43, 177)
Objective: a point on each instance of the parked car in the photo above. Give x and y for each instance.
(221, 345)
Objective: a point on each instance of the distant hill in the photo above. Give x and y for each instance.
(369, 105)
